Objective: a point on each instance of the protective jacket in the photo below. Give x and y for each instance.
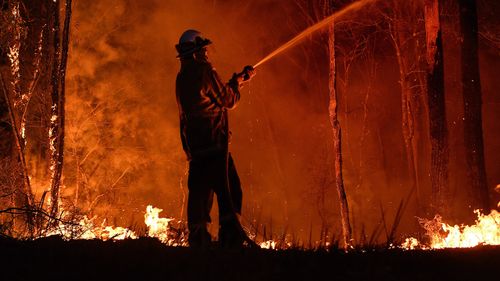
(203, 101)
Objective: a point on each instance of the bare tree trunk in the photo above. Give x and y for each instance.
(437, 110)
(56, 133)
(407, 111)
(471, 85)
(337, 139)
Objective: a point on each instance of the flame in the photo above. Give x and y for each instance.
(485, 231)
(269, 244)
(86, 229)
(410, 243)
(160, 228)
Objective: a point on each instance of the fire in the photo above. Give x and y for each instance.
(269, 244)
(160, 228)
(485, 231)
(86, 229)
(157, 227)
(410, 244)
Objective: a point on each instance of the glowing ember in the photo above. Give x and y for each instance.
(269, 244)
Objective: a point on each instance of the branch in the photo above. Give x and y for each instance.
(32, 211)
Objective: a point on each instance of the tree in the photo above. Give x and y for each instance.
(314, 12)
(13, 105)
(471, 87)
(31, 96)
(337, 133)
(56, 131)
(438, 132)
(404, 29)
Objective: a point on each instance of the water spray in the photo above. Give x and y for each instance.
(324, 22)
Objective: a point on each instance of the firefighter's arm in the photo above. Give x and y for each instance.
(245, 75)
(225, 95)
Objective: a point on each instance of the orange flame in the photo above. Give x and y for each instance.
(160, 228)
(485, 231)
(86, 229)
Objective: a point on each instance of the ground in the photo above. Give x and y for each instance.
(148, 259)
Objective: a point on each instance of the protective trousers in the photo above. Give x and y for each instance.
(208, 175)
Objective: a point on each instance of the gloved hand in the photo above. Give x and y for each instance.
(248, 72)
(245, 75)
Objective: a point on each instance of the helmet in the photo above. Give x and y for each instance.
(191, 41)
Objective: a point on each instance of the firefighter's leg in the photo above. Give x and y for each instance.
(200, 199)
(231, 234)
(234, 185)
(220, 185)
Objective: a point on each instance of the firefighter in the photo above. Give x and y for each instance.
(203, 101)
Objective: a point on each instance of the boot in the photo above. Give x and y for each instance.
(199, 237)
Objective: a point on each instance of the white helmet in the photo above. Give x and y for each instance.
(191, 41)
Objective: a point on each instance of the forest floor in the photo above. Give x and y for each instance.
(147, 259)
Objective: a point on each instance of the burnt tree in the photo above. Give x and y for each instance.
(56, 132)
(438, 132)
(471, 87)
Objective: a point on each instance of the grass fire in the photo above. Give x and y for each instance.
(249, 140)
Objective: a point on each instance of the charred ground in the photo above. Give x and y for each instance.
(148, 259)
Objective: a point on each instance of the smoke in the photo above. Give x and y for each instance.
(123, 150)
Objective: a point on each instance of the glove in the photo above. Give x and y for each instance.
(248, 72)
